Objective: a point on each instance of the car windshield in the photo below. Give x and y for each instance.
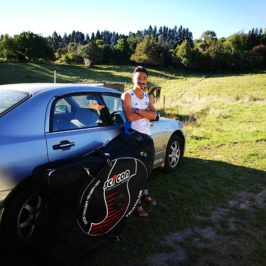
(10, 98)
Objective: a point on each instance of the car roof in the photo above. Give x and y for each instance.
(35, 88)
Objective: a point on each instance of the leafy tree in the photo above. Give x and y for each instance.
(91, 53)
(65, 40)
(188, 57)
(184, 53)
(30, 47)
(261, 51)
(148, 52)
(154, 33)
(76, 37)
(237, 42)
(7, 48)
(208, 38)
(264, 37)
(60, 53)
(114, 39)
(98, 35)
(162, 46)
(208, 35)
(133, 39)
(170, 38)
(87, 39)
(106, 36)
(107, 54)
(99, 43)
(121, 51)
(217, 55)
(254, 37)
(55, 41)
(69, 54)
(105, 51)
(191, 57)
(92, 37)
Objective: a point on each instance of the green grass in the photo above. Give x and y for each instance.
(21, 73)
(225, 118)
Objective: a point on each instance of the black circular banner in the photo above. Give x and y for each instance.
(112, 195)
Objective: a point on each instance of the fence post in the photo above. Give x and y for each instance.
(54, 76)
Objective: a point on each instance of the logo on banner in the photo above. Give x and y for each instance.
(116, 180)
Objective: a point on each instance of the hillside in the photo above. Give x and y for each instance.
(212, 211)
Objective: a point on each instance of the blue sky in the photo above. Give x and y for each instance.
(225, 17)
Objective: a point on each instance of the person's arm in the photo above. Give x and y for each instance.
(130, 113)
(150, 113)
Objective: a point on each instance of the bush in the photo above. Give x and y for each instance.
(3, 60)
(260, 50)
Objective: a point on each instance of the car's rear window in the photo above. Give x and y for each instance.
(9, 99)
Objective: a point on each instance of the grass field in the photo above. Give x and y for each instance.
(212, 211)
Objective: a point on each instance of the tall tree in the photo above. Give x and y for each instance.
(98, 35)
(87, 39)
(55, 41)
(208, 35)
(92, 37)
(7, 48)
(254, 37)
(122, 51)
(91, 53)
(184, 53)
(32, 47)
(65, 40)
(114, 39)
(148, 52)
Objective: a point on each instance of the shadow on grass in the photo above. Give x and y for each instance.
(173, 113)
(198, 186)
(30, 72)
(22, 73)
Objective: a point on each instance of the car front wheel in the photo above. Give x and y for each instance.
(174, 153)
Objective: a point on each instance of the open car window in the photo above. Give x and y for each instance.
(77, 112)
(114, 105)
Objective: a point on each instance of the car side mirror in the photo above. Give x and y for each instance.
(118, 118)
(157, 118)
(61, 109)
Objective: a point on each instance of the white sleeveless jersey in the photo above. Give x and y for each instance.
(141, 125)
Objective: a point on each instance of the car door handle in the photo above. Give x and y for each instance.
(63, 144)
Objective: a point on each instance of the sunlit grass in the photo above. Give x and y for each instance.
(225, 119)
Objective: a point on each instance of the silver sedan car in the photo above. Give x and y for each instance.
(41, 123)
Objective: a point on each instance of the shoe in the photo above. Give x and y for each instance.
(140, 212)
(117, 238)
(149, 200)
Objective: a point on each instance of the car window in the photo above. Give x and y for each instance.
(62, 106)
(114, 105)
(9, 99)
(76, 112)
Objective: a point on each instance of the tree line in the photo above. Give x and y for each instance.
(153, 46)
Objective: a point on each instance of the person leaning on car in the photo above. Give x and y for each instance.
(139, 110)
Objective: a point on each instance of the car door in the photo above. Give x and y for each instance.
(77, 126)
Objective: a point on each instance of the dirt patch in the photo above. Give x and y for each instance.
(227, 242)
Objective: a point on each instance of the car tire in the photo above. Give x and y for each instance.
(174, 153)
(23, 215)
